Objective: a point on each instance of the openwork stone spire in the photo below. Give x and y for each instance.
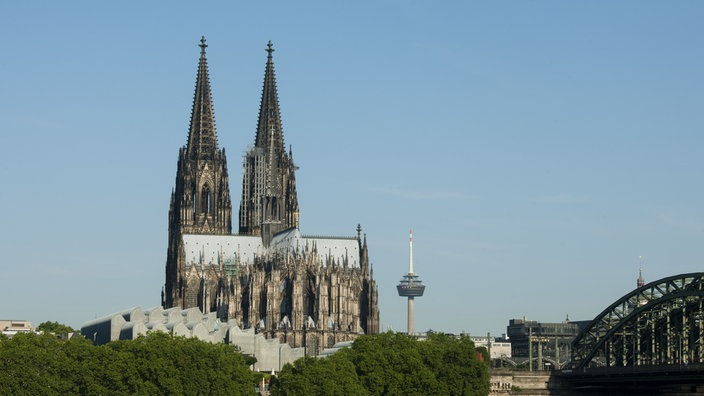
(269, 115)
(202, 137)
(269, 199)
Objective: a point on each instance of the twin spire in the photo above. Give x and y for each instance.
(202, 135)
(269, 190)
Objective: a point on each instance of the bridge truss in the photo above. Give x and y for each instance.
(661, 323)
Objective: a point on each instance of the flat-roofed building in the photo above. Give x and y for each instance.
(547, 342)
(498, 348)
(12, 327)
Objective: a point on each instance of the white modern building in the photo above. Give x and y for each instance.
(129, 324)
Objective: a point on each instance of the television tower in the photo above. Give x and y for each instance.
(410, 286)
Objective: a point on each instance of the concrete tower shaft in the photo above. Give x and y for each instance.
(410, 286)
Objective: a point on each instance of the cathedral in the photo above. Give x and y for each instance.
(302, 290)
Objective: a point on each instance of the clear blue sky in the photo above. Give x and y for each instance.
(537, 149)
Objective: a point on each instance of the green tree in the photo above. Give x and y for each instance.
(334, 375)
(55, 327)
(175, 365)
(390, 364)
(35, 364)
(41, 364)
(455, 365)
(485, 354)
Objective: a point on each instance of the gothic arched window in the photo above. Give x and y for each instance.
(193, 201)
(205, 203)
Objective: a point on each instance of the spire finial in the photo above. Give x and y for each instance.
(270, 48)
(640, 282)
(202, 45)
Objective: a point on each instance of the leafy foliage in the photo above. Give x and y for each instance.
(334, 375)
(390, 364)
(41, 364)
(485, 353)
(55, 327)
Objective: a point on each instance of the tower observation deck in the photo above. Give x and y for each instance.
(410, 286)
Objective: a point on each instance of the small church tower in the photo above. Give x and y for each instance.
(269, 199)
(640, 282)
(200, 202)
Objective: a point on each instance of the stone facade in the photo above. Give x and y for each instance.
(305, 291)
(269, 200)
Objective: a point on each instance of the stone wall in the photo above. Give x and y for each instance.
(525, 383)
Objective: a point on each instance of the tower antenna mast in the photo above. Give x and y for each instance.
(410, 286)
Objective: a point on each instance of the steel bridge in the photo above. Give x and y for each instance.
(654, 333)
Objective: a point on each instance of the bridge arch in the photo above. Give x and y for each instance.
(503, 360)
(660, 323)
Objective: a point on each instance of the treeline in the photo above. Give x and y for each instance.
(156, 364)
(160, 364)
(390, 364)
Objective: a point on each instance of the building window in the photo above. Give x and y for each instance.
(205, 200)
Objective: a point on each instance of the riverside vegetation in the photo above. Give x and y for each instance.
(159, 364)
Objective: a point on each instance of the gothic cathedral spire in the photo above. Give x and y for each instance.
(200, 202)
(269, 116)
(202, 137)
(269, 199)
